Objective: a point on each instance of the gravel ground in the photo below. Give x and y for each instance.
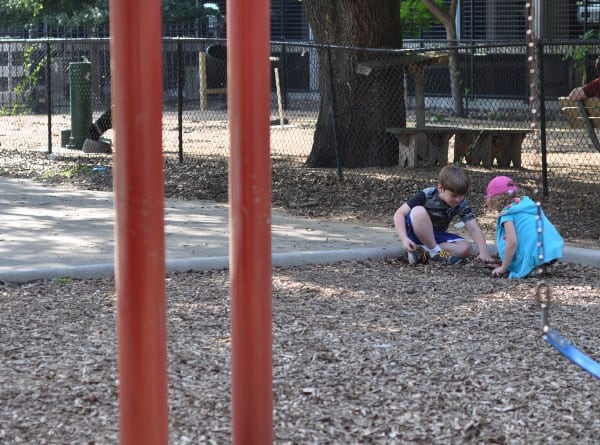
(363, 352)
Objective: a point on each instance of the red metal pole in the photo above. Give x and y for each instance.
(136, 66)
(249, 95)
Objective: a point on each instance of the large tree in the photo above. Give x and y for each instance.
(356, 108)
(447, 16)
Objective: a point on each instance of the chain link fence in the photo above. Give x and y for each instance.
(195, 94)
(488, 86)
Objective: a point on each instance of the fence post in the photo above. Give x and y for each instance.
(338, 156)
(283, 76)
(180, 99)
(49, 93)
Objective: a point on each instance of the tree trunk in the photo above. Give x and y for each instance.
(456, 84)
(357, 108)
(448, 19)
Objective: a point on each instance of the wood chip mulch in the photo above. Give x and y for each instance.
(363, 352)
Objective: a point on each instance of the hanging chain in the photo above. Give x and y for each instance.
(542, 296)
(542, 289)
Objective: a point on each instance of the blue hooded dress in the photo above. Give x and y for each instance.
(523, 213)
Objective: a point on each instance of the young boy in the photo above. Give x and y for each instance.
(422, 222)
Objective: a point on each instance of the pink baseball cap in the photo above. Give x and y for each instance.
(500, 184)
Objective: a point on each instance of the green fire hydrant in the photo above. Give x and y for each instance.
(81, 104)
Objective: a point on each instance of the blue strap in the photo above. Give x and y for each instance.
(572, 353)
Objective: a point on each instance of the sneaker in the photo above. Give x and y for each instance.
(445, 257)
(418, 256)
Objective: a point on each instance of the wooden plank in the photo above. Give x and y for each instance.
(584, 114)
(592, 105)
(587, 124)
(457, 127)
(420, 60)
(413, 130)
(571, 111)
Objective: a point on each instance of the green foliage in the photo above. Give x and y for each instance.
(70, 171)
(578, 55)
(33, 66)
(85, 12)
(14, 110)
(92, 16)
(30, 12)
(18, 11)
(416, 17)
(181, 10)
(437, 118)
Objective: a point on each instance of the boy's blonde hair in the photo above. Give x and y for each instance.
(455, 179)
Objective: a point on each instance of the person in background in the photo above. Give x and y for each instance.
(521, 226)
(100, 125)
(94, 143)
(422, 222)
(590, 89)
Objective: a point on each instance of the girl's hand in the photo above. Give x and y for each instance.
(499, 271)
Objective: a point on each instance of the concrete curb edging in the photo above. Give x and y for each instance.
(94, 271)
(90, 271)
(577, 255)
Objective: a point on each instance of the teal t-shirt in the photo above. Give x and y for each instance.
(523, 213)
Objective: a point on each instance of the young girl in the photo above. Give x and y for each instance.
(520, 228)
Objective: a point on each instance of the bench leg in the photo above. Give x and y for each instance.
(461, 146)
(407, 148)
(506, 148)
(485, 150)
(438, 148)
(501, 149)
(515, 150)
(474, 147)
(515, 153)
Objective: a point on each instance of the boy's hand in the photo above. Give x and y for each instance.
(485, 257)
(409, 245)
(489, 264)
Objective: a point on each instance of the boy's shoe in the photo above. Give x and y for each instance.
(418, 256)
(445, 257)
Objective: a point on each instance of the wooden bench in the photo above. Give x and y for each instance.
(584, 114)
(428, 146)
(481, 146)
(422, 147)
